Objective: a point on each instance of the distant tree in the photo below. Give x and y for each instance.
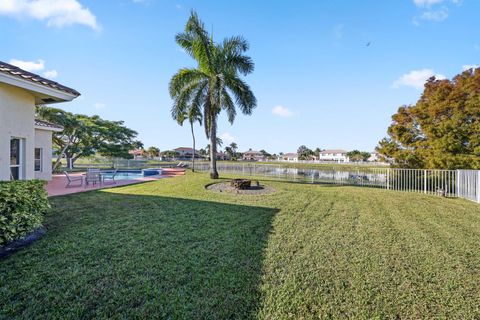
(216, 83)
(170, 154)
(234, 148)
(358, 156)
(153, 152)
(84, 136)
(265, 153)
(193, 113)
(442, 130)
(202, 152)
(219, 144)
(317, 151)
(229, 151)
(304, 153)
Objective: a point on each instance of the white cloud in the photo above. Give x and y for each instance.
(34, 66)
(99, 105)
(227, 138)
(178, 6)
(469, 66)
(476, 47)
(31, 66)
(435, 15)
(50, 74)
(282, 111)
(57, 13)
(416, 78)
(426, 3)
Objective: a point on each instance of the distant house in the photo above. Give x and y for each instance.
(26, 142)
(252, 155)
(186, 153)
(137, 154)
(374, 157)
(289, 157)
(223, 156)
(334, 155)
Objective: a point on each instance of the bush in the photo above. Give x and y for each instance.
(23, 205)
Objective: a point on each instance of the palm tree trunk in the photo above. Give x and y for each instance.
(213, 148)
(193, 155)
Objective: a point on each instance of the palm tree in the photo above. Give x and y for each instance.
(215, 84)
(219, 145)
(234, 148)
(192, 114)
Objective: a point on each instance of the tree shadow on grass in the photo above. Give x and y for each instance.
(134, 256)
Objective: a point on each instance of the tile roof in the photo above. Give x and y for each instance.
(35, 78)
(333, 151)
(183, 149)
(46, 124)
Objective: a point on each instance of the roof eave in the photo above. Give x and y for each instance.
(38, 88)
(49, 128)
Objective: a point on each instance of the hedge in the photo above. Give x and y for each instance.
(23, 205)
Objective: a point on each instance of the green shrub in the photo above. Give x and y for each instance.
(23, 205)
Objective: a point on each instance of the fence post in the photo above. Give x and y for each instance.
(424, 181)
(478, 186)
(457, 183)
(388, 178)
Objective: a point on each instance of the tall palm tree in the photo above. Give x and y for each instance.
(219, 145)
(193, 115)
(216, 83)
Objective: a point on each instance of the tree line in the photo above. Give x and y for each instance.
(441, 130)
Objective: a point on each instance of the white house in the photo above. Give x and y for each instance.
(373, 157)
(186, 153)
(26, 142)
(334, 155)
(252, 155)
(289, 157)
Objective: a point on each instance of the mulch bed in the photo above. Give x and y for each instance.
(225, 187)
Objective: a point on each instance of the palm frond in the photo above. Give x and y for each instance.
(183, 78)
(244, 97)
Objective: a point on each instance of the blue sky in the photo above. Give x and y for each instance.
(316, 81)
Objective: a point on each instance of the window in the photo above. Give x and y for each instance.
(16, 159)
(38, 159)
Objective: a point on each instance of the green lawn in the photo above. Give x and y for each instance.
(170, 249)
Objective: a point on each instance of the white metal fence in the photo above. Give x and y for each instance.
(449, 183)
(468, 185)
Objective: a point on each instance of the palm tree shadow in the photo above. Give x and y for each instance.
(143, 255)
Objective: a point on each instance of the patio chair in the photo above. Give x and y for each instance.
(93, 176)
(71, 179)
(109, 175)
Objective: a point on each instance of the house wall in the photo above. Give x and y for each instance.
(43, 139)
(339, 157)
(17, 113)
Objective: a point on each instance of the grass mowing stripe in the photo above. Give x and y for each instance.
(171, 249)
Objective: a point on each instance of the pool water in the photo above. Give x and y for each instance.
(135, 174)
(128, 176)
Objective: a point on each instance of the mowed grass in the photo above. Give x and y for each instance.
(170, 249)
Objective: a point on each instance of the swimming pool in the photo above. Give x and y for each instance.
(136, 174)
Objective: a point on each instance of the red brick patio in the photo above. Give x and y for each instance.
(57, 186)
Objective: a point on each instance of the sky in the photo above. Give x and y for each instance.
(328, 74)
